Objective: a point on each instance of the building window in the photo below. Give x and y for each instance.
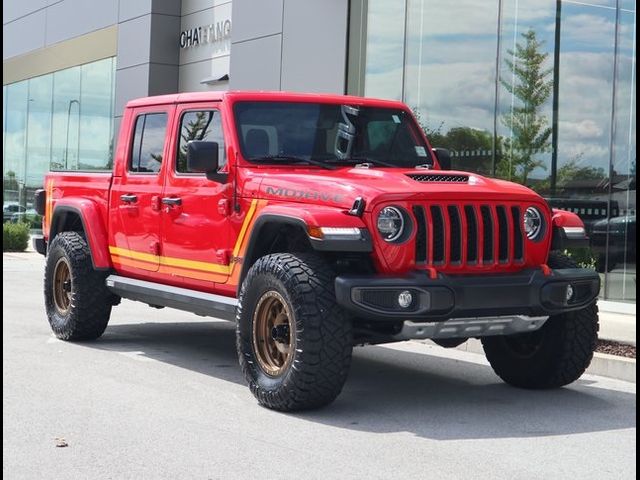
(59, 121)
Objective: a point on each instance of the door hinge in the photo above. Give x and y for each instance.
(154, 247)
(224, 207)
(223, 256)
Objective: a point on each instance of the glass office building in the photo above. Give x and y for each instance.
(541, 92)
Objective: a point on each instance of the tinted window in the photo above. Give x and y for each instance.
(148, 143)
(317, 131)
(199, 125)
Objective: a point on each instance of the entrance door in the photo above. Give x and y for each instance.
(195, 225)
(135, 197)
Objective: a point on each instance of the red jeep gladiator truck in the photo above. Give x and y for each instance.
(316, 223)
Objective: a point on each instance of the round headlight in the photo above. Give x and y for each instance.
(390, 223)
(532, 222)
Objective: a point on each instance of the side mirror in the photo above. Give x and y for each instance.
(444, 158)
(202, 157)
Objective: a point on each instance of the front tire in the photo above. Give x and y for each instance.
(553, 356)
(77, 301)
(294, 341)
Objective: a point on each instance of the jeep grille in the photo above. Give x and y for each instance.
(466, 234)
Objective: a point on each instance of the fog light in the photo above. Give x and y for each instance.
(405, 298)
(569, 294)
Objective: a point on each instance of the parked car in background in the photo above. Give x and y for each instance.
(622, 241)
(9, 209)
(14, 212)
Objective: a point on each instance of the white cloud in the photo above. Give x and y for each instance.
(585, 129)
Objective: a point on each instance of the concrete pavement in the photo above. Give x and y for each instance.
(160, 395)
(618, 327)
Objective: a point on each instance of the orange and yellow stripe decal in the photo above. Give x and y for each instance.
(48, 210)
(190, 268)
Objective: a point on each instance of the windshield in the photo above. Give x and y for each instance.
(291, 132)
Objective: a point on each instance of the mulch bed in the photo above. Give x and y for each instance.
(615, 348)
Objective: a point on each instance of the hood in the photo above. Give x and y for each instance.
(342, 186)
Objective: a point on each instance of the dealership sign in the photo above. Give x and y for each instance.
(206, 34)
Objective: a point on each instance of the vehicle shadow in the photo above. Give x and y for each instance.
(397, 391)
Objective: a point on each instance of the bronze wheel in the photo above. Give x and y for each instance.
(76, 298)
(294, 341)
(273, 334)
(62, 285)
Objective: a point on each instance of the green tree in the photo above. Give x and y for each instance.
(572, 170)
(10, 182)
(470, 147)
(195, 129)
(529, 128)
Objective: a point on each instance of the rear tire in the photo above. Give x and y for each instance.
(293, 340)
(553, 356)
(77, 301)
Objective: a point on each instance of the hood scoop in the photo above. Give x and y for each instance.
(438, 178)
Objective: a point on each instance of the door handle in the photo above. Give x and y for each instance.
(129, 198)
(172, 201)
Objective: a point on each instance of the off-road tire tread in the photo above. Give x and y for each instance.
(576, 335)
(91, 301)
(324, 346)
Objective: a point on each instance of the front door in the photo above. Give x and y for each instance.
(135, 196)
(195, 226)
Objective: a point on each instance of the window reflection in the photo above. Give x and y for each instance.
(66, 119)
(464, 72)
(450, 76)
(385, 49)
(59, 121)
(96, 112)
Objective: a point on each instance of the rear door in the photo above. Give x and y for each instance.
(135, 196)
(195, 218)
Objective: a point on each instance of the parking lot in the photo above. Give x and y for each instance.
(161, 395)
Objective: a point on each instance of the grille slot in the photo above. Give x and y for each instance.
(455, 241)
(472, 234)
(518, 239)
(487, 234)
(436, 177)
(421, 234)
(438, 234)
(503, 235)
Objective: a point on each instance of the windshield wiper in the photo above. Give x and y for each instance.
(292, 158)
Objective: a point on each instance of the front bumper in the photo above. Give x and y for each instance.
(530, 293)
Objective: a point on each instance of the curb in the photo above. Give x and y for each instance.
(603, 364)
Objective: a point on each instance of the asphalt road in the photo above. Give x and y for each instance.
(160, 395)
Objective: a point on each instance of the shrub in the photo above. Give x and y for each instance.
(583, 256)
(15, 237)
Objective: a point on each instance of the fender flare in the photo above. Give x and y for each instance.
(364, 245)
(92, 226)
(567, 230)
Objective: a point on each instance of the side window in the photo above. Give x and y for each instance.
(148, 143)
(200, 125)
